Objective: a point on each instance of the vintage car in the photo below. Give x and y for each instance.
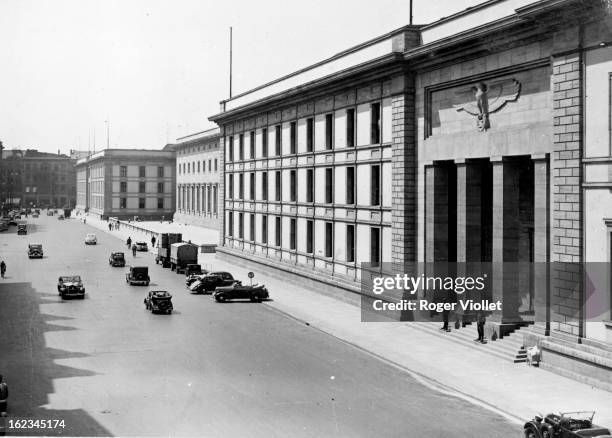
(22, 229)
(4, 225)
(35, 250)
(239, 291)
(565, 425)
(91, 239)
(138, 275)
(60, 217)
(71, 286)
(159, 301)
(116, 259)
(211, 281)
(49, 212)
(35, 215)
(141, 246)
(193, 269)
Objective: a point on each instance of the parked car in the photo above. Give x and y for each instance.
(141, 246)
(91, 239)
(22, 229)
(138, 275)
(71, 286)
(116, 259)
(60, 217)
(190, 279)
(49, 212)
(193, 269)
(159, 301)
(4, 225)
(211, 281)
(35, 215)
(239, 291)
(35, 250)
(565, 425)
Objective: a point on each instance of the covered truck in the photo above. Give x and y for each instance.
(163, 247)
(181, 255)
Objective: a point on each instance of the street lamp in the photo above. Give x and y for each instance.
(107, 121)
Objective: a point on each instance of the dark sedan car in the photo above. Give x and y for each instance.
(159, 301)
(22, 229)
(71, 286)
(116, 259)
(565, 425)
(35, 250)
(239, 291)
(138, 275)
(210, 281)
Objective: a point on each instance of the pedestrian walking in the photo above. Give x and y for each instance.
(480, 326)
(129, 242)
(2, 268)
(134, 250)
(110, 227)
(3, 397)
(153, 241)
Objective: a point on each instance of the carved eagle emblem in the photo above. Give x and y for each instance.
(489, 97)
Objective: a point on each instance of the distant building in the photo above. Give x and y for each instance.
(125, 183)
(197, 174)
(37, 179)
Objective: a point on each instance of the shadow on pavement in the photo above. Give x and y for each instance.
(29, 367)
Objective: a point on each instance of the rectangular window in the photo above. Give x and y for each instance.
(264, 142)
(292, 137)
(241, 147)
(350, 185)
(375, 123)
(231, 186)
(241, 225)
(293, 186)
(309, 236)
(141, 187)
(350, 127)
(160, 187)
(160, 203)
(216, 165)
(278, 231)
(329, 186)
(350, 243)
(123, 186)
(375, 247)
(293, 234)
(122, 170)
(188, 167)
(264, 186)
(264, 229)
(160, 171)
(252, 145)
(329, 239)
(252, 227)
(231, 148)
(230, 225)
(278, 141)
(122, 202)
(209, 165)
(309, 185)
(375, 185)
(142, 171)
(202, 166)
(141, 202)
(252, 187)
(277, 183)
(309, 134)
(241, 186)
(329, 131)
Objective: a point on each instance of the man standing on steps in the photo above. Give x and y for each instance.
(3, 397)
(481, 320)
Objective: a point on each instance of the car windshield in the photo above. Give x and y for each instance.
(118, 255)
(91, 236)
(141, 243)
(36, 246)
(72, 278)
(160, 294)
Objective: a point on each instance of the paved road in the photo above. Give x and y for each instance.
(108, 367)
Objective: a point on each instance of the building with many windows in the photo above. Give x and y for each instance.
(126, 183)
(483, 137)
(197, 179)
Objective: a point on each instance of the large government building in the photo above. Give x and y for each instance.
(197, 179)
(126, 183)
(482, 137)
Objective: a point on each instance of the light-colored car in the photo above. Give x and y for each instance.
(141, 246)
(91, 239)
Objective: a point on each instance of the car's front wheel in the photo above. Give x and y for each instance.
(531, 432)
(255, 298)
(220, 298)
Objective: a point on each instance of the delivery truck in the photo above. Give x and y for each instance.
(181, 255)
(163, 248)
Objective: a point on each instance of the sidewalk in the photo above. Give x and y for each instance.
(516, 390)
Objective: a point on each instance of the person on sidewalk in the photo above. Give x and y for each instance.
(481, 320)
(153, 241)
(134, 250)
(129, 242)
(2, 268)
(110, 227)
(3, 397)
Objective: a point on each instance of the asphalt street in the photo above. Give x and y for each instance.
(108, 367)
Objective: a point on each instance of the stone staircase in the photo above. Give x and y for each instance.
(510, 348)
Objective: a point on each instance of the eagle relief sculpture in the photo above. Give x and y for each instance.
(489, 98)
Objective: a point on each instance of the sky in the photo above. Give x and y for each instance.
(154, 70)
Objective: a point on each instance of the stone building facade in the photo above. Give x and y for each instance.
(125, 183)
(491, 132)
(197, 173)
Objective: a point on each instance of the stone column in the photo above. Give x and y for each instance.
(541, 242)
(436, 213)
(469, 226)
